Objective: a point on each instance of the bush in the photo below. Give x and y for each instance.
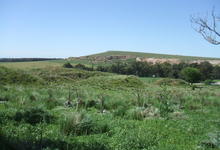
(67, 65)
(191, 75)
(33, 116)
(81, 124)
(165, 106)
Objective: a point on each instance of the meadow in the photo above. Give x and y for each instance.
(46, 106)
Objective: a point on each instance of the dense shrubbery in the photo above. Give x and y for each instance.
(144, 69)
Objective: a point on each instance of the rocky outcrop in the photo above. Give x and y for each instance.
(158, 60)
(174, 61)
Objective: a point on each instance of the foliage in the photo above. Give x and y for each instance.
(10, 76)
(67, 65)
(116, 111)
(81, 124)
(144, 69)
(191, 75)
(33, 116)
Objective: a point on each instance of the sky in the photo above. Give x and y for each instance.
(64, 28)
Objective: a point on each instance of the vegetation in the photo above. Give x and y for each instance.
(26, 59)
(149, 55)
(67, 65)
(202, 71)
(192, 75)
(83, 109)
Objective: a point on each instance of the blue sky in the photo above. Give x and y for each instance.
(63, 28)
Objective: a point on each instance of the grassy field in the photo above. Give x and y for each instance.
(32, 65)
(51, 63)
(45, 106)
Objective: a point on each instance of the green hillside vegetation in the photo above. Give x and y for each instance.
(46, 106)
(151, 55)
(10, 76)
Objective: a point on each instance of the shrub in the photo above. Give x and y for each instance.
(191, 75)
(67, 65)
(33, 116)
(81, 124)
(165, 106)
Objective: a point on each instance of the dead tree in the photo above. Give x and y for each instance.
(208, 27)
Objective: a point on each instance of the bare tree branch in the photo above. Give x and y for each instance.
(208, 29)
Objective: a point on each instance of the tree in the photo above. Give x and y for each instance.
(207, 27)
(206, 70)
(216, 72)
(118, 67)
(191, 75)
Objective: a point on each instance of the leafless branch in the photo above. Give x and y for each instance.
(207, 27)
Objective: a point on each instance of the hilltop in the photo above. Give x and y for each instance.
(145, 57)
(150, 55)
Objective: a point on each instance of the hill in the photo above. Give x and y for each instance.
(150, 55)
(111, 56)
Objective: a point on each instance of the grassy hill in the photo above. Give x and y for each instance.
(87, 60)
(150, 55)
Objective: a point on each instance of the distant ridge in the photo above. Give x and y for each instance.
(26, 59)
(150, 55)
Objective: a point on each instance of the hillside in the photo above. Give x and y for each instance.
(46, 106)
(150, 55)
(111, 56)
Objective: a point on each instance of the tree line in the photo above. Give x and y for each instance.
(145, 69)
(26, 59)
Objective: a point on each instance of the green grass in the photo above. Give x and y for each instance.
(108, 112)
(31, 65)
